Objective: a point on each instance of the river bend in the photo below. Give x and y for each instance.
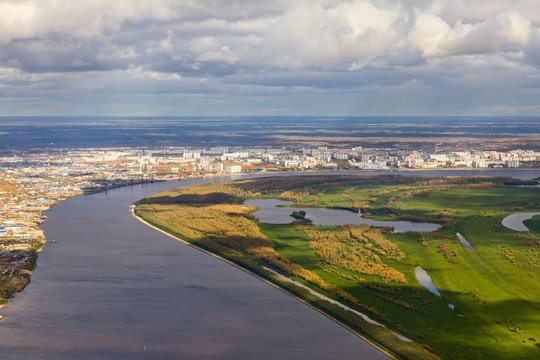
(113, 288)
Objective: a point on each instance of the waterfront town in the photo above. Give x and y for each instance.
(32, 182)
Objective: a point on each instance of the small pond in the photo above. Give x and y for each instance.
(464, 242)
(515, 221)
(425, 280)
(273, 211)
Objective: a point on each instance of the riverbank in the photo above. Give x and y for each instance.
(108, 266)
(274, 284)
(19, 271)
(430, 247)
(322, 304)
(328, 260)
(106, 186)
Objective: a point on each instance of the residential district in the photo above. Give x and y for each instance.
(33, 182)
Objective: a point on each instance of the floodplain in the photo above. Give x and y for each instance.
(487, 303)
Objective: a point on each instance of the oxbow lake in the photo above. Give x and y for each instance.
(273, 211)
(515, 221)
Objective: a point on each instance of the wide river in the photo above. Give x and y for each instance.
(113, 288)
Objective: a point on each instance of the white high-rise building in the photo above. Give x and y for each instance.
(233, 169)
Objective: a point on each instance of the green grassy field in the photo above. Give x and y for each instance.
(494, 288)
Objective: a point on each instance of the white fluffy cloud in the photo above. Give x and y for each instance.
(505, 32)
(21, 19)
(313, 35)
(325, 44)
(307, 34)
(17, 20)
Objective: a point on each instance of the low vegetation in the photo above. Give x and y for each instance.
(494, 288)
(358, 249)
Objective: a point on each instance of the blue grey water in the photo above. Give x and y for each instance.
(113, 288)
(515, 221)
(274, 211)
(464, 242)
(425, 280)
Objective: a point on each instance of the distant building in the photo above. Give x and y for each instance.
(191, 155)
(233, 169)
(340, 156)
(235, 155)
(268, 157)
(479, 163)
(512, 163)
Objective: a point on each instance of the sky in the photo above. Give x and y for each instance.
(249, 57)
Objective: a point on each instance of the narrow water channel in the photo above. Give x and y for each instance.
(464, 242)
(425, 280)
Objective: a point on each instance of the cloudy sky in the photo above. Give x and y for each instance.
(249, 57)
